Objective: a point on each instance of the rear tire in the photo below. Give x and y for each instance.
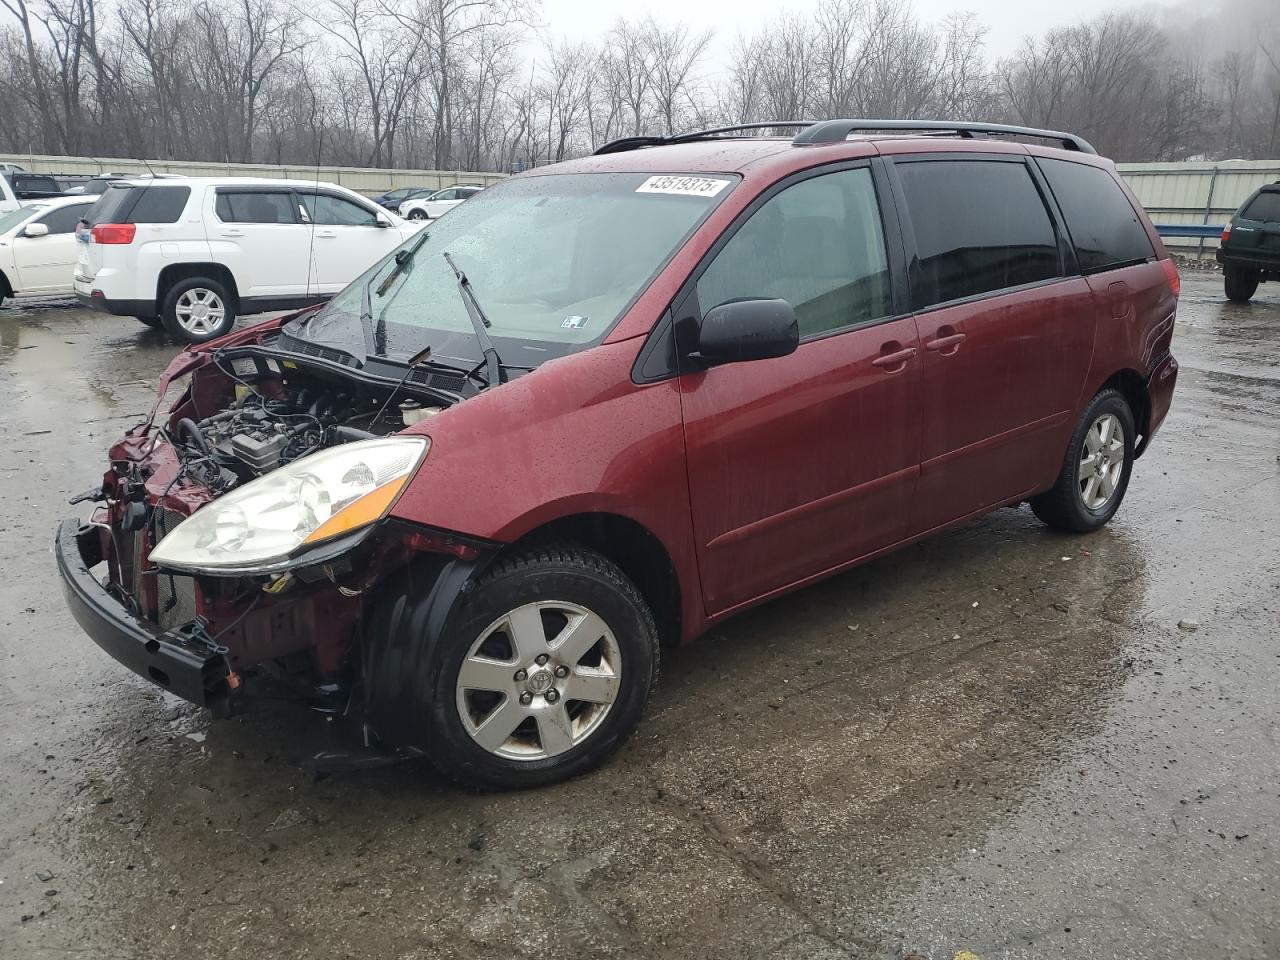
(1095, 472)
(198, 309)
(153, 322)
(541, 672)
(1241, 283)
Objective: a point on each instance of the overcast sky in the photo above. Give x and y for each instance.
(1007, 21)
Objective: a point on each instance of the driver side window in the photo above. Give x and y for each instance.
(819, 245)
(64, 219)
(326, 210)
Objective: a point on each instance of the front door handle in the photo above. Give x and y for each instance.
(895, 358)
(326, 234)
(233, 233)
(945, 345)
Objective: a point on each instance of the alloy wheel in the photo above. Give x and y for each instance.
(200, 311)
(1101, 461)
(539, 680)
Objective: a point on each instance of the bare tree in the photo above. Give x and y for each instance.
(674, 52)
(469, 83)
(386, 60)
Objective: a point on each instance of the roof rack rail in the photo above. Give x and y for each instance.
(835, 131)
(624, 144)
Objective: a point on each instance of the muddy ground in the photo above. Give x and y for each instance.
(998, 741)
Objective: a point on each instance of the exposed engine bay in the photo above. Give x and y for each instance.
(278, 416)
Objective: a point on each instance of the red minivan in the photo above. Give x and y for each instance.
(605, 404)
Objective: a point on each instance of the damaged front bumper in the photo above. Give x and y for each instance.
(186, 667)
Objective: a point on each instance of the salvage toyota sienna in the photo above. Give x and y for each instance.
(606, 404)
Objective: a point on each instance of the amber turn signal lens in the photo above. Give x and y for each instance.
(360, 512)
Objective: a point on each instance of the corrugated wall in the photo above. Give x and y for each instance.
(1204, 193)
(1172, 192)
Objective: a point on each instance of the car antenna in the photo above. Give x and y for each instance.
(142, 160)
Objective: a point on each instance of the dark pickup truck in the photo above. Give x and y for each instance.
(1250, 247)
(33, 186)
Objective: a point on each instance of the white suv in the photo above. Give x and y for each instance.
(195, 254)
(439, 203)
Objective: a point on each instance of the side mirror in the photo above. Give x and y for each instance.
(748, 330)
(381, 221)
(34, 230)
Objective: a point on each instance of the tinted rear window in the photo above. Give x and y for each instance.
(1265, 207)
(159, 204)
(25, 181)
(1103, 225)
(111, 206)
(144, 204)
(980, 226)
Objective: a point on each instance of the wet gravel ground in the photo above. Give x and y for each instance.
(998, 741)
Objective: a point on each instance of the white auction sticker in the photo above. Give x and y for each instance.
(688, 186)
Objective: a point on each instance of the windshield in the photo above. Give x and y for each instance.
(14, 217)
(554, 261)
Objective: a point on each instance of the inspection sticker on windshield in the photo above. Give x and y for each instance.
(574, 323)
(688, 186)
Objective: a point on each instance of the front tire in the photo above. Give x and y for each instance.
(541, 672)
(198, 309)
(1095, 473)
(1240, 283)
(153, 322)
(417, 215)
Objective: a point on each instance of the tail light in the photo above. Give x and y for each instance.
(114, 232)
(1171, 274)
(1226, 235)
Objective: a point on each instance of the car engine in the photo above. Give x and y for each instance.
(276, 422)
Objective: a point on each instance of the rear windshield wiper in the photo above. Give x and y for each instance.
(404, 260)
(493, 362)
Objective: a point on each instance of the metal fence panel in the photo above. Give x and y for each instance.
(1195, 192)
(361, 179)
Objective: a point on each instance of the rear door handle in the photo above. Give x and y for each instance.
(233, 233)
(897, 358)
(326, 234)
(945, 345)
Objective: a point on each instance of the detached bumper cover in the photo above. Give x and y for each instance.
(181, 667)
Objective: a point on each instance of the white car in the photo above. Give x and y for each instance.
(439, 203)
(8, 199)
(196, 253)
(38, 247)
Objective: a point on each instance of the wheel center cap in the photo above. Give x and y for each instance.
(540, 681)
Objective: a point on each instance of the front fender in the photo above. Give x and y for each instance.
(409, 615)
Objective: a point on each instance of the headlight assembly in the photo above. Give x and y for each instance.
(262, 526)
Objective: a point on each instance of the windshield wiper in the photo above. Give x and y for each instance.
(493, 362)
(404, 260)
